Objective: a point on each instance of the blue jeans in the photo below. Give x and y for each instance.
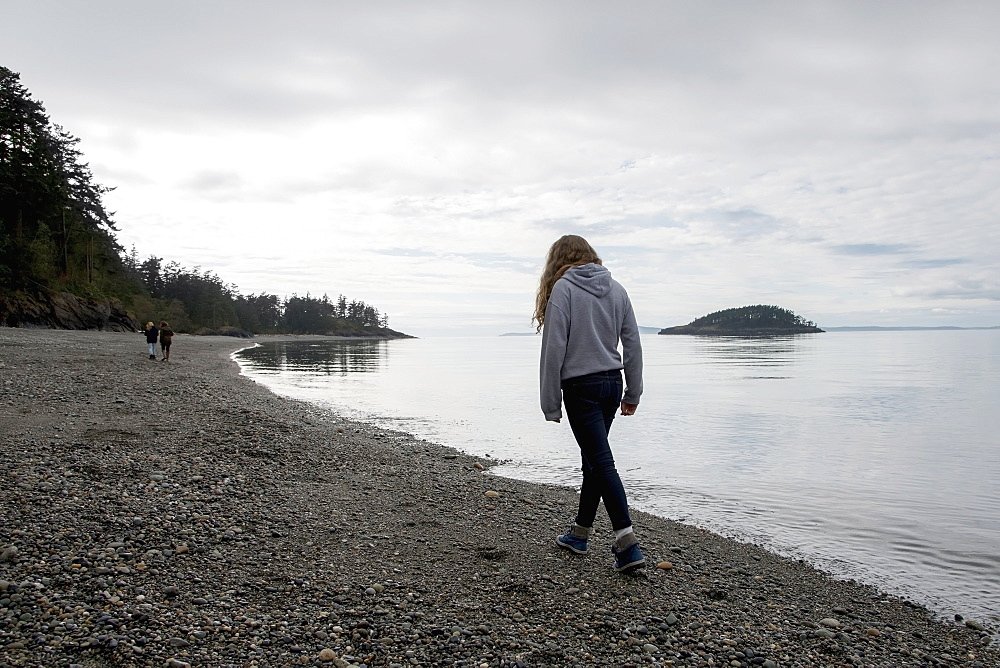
(591, 403)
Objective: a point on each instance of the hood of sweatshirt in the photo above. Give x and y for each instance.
(593, 278)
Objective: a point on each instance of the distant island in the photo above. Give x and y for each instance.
(747, 321)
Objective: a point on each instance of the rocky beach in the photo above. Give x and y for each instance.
(178, 514)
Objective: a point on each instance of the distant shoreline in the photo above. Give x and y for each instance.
(863, 328)
(323, 337)
(904, 329)
(688, 330)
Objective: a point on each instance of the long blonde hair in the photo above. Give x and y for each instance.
(568, 251)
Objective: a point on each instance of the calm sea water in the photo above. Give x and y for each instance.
(873, 455)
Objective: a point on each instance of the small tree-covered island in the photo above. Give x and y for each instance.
(747, 321)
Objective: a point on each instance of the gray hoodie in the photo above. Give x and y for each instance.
(587, 314)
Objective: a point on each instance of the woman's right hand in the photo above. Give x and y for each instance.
(629, 409)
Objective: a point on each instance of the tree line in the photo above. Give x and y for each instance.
(57, 235)
(54, 229)
(206, 301)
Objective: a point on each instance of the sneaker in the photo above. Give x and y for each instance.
(628, 556)
(575, 540)
(152, 357)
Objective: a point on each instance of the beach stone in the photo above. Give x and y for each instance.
(664, 565)
(830, 622)
(492, 494)
(406, 523)
(327, 655)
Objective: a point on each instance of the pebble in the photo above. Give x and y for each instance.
(277, 537)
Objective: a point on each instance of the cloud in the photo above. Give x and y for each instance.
(834, 158)
(213, 181)
(871, 249)
(931, 263)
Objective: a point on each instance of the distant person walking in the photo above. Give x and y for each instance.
(583, 314)
(166, 338)
(151, 333)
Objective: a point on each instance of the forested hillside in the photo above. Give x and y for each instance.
(62, 266)
(748, 321)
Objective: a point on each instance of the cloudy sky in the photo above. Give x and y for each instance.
(840, 159)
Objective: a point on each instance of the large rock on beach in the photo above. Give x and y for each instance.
(63, 310)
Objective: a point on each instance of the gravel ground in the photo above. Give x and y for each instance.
(172, 514)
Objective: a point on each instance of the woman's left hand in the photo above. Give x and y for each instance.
(629, 409)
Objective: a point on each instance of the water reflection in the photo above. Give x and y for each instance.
(318, 358)
(748, 353)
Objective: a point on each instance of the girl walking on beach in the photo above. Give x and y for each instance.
(583, 314)
(166, 338)
(151, 333)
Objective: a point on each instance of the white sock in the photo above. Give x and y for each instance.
(623, 532)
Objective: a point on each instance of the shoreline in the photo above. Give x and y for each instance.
(180, 512)
(321, 337)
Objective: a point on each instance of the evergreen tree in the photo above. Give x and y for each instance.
(55, 234)
(48, 198)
